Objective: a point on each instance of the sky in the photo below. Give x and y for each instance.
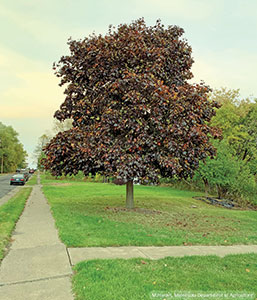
(34, 34)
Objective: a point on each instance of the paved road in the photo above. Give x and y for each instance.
(5, 186)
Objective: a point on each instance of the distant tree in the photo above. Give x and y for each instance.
(134, 113)
(233, 169)
(238, 120)
(249, 144)
(38, 152)
(61, 126)
(229, 175)
(46, 137)
(12, 153)
(221, 172)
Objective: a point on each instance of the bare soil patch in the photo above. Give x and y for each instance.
(136, 209)
(61, 184)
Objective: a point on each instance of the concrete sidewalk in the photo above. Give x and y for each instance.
(79, 254)
(37, 266)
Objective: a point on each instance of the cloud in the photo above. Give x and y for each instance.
(35, 92)
(49, 23)
(232, 68)
(186, 9)
(29, 23)
(38, 96)
(14, 61)
(29, 96)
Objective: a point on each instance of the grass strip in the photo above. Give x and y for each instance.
(32, 180)
(9, 215)
(139, 279)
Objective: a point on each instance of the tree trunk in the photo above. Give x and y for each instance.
(245, 153)
(218, 191)
(206, 187)
(222, 191)
(2, 165)
(130, 194)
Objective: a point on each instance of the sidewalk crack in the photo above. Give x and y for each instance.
(69, 257)
(35, 280)
(144, 253)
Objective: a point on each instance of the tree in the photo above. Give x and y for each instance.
(46, 137)
(12, 153)
(250, 141)
(38, 152)
(228, 174)
(134, 113)
(235, 165)
(237, 119)
(221, 172)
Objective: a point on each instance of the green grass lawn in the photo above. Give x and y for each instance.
(137, 279)
(93, 214)
(9, 214)
(32, 180)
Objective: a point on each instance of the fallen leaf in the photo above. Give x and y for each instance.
(247, 270)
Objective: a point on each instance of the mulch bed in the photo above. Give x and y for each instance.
(227, 203)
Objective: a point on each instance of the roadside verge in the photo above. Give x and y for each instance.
(10, 212)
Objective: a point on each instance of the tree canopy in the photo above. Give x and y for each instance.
(134, 112)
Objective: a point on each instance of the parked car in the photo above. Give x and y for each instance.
(25, 172)
(26, 175)
(18, 179)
